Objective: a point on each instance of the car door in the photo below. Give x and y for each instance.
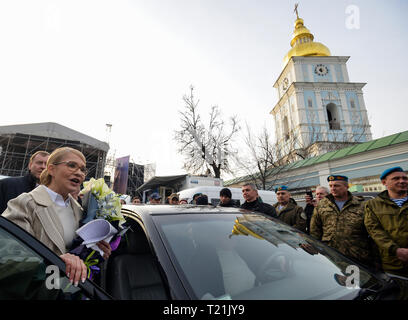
(29, 270)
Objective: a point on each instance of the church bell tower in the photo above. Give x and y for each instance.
(319, 109)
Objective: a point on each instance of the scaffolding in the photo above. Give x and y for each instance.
(17, 148)
(135, 179)
(137, 175)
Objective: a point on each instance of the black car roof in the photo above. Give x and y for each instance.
(180, 209)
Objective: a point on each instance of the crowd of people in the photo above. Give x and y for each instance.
(373, 232)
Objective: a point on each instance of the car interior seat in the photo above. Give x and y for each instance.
(132, 272)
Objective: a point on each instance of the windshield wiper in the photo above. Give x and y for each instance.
(385, 292)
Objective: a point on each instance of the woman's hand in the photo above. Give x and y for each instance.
(106, 248)
(74, 268)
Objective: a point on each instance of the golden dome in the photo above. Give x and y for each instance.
(303, 45)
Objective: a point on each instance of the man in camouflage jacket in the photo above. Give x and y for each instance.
(288, 211)
(338, 221)
(386, 220)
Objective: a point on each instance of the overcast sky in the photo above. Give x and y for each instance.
(86, 63)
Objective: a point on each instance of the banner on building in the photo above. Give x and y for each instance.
(121, 175)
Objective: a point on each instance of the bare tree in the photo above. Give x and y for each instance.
(260, 157)
(265, 160)
(206, 149)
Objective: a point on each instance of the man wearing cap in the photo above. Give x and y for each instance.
(288, 211)
(195, 196)
(173, 199)
(202, 200)
(154, 198)
(386, 220)
(226, 198)
(338, 221)
(253, 203)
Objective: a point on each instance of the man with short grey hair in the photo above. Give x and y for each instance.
(253, 203)
(321, 192)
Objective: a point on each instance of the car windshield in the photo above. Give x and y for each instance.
(248, 256)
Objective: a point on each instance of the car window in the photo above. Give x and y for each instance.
(24, 274)
(247, 256)
(132, 271)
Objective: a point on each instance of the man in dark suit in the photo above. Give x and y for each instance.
(11, 188)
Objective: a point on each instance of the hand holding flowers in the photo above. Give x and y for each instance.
(99, 202)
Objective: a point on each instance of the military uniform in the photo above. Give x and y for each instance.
(292, 214)
(344, 229)
(387, 224)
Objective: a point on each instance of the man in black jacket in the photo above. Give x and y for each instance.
(253, 203)
(311, 203)
(11, 188)
(226, 198)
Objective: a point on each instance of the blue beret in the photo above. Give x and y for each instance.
(337, 178)
(281, 188)
(390, 170)
(155, 196)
